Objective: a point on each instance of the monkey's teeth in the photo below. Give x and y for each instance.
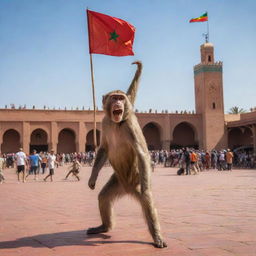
(117, 112)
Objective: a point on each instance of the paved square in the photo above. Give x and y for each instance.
(213, 213)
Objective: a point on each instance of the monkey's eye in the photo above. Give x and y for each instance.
(117, 97)
(121, 97)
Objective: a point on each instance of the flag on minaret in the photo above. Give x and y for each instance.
(202, 18)
(109, 35)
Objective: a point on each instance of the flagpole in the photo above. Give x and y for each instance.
(94, 105)
(208, 36)
(93, 92)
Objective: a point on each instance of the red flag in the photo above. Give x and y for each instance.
(109, 35)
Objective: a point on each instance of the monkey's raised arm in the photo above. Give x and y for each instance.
(100, 160)
(132, 91)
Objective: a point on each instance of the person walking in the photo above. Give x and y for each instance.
(187, 160)
(214, 159)
(74, 169)
(21, 161)
(229, 159)
(34, 160)
(222, 161)
(44, 162)
(51, 161)
(207, 160)
(193, 161)
(1, 169)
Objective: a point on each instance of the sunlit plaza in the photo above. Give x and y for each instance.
(169, 140)
(211, 213)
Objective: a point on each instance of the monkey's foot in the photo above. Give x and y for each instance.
(159, 243)
(97, 230)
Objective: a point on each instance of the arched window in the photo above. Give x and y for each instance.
(184, 136)
(66, 141)
(152, 136)
(89, 140)
(11, 141)
(38, 141)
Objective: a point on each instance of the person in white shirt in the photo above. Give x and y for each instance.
(1, 169)
(222, 161)
(51, 161)
(21, 162)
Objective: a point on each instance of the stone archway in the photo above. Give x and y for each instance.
(66, 141)
(89, 140)
(184, 135)
(11, 141)
(239, 137)
(153, 136)
(38, 140)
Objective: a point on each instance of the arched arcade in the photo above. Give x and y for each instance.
(11, 141)
(66, 141)
(39, 140)
(240, 136)
(89, 140)
(184, 135)
(152, 135)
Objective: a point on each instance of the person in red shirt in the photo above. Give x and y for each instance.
(229, 159)
(193, 161)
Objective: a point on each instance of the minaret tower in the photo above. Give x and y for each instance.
(209, 99)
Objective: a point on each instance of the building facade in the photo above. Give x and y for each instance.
(72, 131)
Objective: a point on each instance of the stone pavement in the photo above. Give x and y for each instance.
(213, 213)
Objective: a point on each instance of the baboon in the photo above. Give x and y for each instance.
(124, 145)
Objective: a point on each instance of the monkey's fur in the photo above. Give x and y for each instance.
(124, 145)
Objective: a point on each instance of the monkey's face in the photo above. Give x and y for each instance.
(117, 103)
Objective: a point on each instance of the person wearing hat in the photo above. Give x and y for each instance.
(21, 162)
(51, 161)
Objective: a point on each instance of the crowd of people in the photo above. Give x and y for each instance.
(200, 160)
(187, 160)
(85, 158)
(37, 163)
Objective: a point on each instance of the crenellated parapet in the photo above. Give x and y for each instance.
(208, 67)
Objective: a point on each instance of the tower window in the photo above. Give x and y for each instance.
(209, 58)
(213, 105)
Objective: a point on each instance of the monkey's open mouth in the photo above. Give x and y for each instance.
(117, 112)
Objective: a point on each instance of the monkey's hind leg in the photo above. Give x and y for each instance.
(106, 197)
(151, 217)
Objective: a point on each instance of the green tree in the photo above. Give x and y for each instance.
(236, 110)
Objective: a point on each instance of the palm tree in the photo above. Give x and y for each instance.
(236, 110)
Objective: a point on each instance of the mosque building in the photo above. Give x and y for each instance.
(72, 130)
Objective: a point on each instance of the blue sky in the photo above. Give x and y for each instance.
(44, 57)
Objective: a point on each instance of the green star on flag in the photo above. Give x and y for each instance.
(109, 35)
(113, 36)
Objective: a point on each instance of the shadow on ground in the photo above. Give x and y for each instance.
(69, 238)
